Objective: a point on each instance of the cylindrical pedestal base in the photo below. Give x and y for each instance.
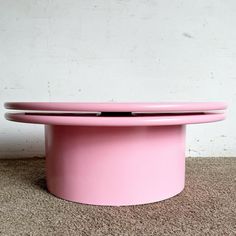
(115, 165)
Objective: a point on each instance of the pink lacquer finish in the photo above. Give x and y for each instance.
(115, 165)
(154, 120)
(115, 158)
(118, 107)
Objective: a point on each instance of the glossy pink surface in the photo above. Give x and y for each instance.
(118, 107)
(115, 165)
(116, 160)
(116, 121)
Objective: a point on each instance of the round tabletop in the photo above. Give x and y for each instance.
(93, 120)
(155, 107)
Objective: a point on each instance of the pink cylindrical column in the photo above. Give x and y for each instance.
(115, 165)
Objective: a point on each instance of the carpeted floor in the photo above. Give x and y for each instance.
(207, 206)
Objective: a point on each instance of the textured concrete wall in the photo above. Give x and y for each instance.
(114, 50)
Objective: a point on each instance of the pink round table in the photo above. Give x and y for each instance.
(115, 153)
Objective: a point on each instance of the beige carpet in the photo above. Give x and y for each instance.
(207, 206)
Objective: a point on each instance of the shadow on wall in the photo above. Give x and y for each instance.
(12, 147)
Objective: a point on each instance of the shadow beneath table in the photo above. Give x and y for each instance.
(41, 183)
(23, 173)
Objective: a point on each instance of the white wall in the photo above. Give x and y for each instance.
(118, 50)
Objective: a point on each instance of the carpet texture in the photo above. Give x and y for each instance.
(207, 206)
